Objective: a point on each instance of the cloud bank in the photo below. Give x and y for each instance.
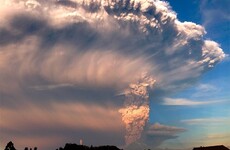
(86, 51)
(37, 125)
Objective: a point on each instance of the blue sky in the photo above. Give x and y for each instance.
(213, 85)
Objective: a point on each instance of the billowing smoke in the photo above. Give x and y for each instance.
(102, 44)
(135, 113)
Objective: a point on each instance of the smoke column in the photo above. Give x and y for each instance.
(135, 113)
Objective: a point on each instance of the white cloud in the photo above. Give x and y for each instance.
(187, 102)
(218, 136)
(212, 15)
(206, 87)
(204, 90)
(206, 121)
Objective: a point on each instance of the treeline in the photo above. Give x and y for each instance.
(83, 147)
(68, 146)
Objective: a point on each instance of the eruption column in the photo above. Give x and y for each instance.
(135, 113)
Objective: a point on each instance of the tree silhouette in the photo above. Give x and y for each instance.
(10, 146)
(69, 146)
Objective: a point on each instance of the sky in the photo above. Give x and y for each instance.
(205, 112)
(135, 74)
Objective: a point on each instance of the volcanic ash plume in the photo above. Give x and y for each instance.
(135, 113)
(99, 46)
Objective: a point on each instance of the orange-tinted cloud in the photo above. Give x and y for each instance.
(32, 124)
